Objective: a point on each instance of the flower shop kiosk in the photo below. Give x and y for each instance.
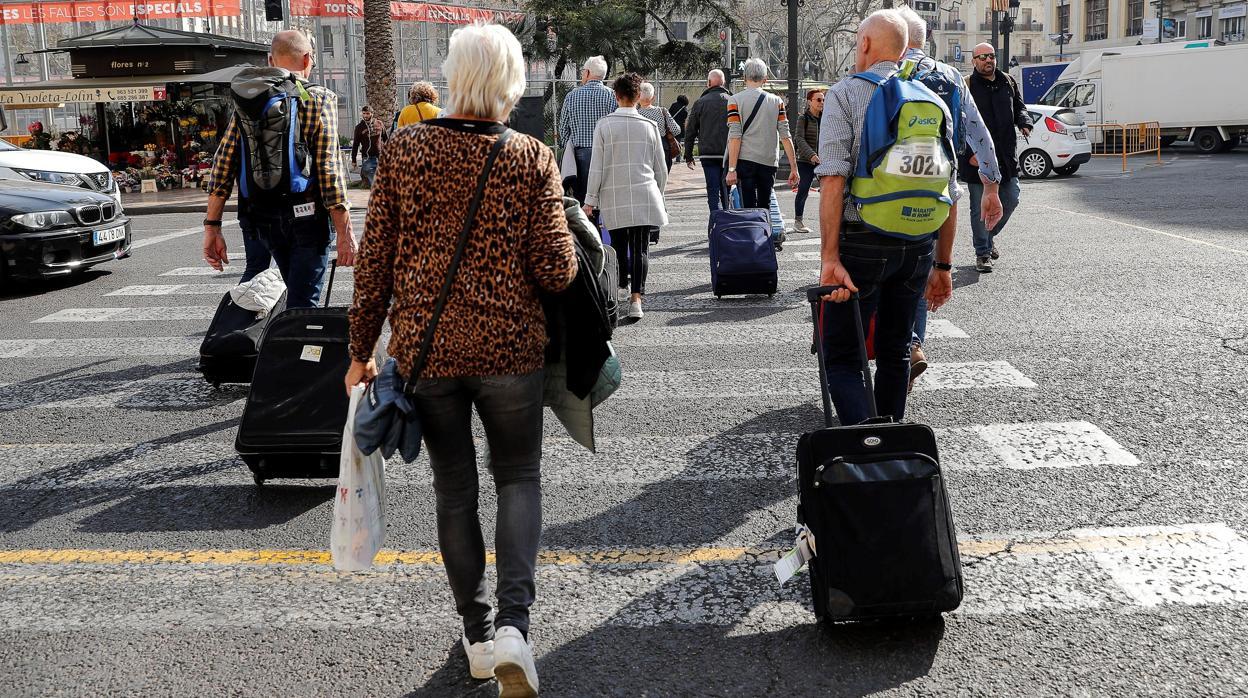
(151, 101)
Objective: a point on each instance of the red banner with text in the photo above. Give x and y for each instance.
(113, 11)
(402, 11)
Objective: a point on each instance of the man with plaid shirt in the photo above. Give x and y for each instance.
(297, 236)
(582, 109)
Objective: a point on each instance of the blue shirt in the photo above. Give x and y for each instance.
(582, 109)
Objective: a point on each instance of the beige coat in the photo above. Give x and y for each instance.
(627, 171)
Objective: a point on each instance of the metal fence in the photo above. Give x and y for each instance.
(1125, 140)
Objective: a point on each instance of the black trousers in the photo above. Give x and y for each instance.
(632, 247)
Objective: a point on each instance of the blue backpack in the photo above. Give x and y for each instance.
(274, 163)
(939, 82)
(905, 158)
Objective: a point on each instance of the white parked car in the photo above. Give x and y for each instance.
(1058, 143)
(56, 168)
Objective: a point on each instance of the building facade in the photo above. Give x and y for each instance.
(421, 33)
(1095, 24)
(960, 27)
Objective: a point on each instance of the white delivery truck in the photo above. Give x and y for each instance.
(1187, 88)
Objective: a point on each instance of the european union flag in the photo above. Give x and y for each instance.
(1038, 79)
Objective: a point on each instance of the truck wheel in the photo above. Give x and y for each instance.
(1035, 164)
(1066, 171)
(1208, 140)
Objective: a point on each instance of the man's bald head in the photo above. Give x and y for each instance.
(292, 49)
(984, 60)
(715, 78)
(882, 36)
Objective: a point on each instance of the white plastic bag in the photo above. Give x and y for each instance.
(359, 527)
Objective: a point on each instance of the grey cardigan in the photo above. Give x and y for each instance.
(627, 171)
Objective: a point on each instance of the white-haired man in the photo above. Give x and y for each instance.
(582, 109)
(707, 125)
(756, 119)
(974, 134)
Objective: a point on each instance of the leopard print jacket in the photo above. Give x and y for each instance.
(493, 322)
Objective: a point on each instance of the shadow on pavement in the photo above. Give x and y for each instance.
(14, 289)
(206, 507)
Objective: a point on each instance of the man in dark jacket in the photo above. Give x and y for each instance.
(1001, 106)
(708, 125)
(367, 142)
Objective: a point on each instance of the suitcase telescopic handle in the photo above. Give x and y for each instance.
(329, 287)
(815, 297)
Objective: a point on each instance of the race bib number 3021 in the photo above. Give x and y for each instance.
(924, 159)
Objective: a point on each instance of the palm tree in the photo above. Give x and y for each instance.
(379, 66)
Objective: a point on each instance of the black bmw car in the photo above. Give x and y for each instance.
(53, 230)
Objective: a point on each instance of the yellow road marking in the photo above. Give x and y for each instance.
(567, 558)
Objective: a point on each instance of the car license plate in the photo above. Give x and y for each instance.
(1081, 135)
(103, 237)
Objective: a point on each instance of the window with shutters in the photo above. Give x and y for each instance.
(1063, 19)
(1204, 27)
(1233, 29)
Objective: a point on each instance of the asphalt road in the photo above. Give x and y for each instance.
(1087, 397)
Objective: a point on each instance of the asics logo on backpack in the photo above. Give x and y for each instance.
(914, 120)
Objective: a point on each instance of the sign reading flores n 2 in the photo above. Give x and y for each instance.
(113, 11)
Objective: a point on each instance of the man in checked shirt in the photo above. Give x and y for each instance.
(582, 109)
(297, 235)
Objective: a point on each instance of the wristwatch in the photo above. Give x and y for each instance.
(732, 169)
(943, 266)
(210, 222)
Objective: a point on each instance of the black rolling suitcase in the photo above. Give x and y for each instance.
(743, 258)
(232, 342)
(293, 420)
(874, 501)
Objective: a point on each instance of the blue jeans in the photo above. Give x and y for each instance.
(713, 171)
(806, 176)
(756, 183)
(583, 158)
(368, 171)
(300, 246)
(1009, 201)
(258, 257)
(510, 408)
(890, 274)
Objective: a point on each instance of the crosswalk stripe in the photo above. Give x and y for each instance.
(158, 393)
(632, 460)
(762, 382)
(99, 347)
(641, 459)
(173, 290)
(204, 271)
(744, 335)
(161, 313)
(1100, 570)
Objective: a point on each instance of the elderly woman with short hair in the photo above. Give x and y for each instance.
(487, 350)
(660, 116)
(626, 179)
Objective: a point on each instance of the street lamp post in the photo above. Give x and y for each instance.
(1007, 26)
(795, 76)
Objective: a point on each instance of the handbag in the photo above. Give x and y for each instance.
(384, 418)
(671, 145)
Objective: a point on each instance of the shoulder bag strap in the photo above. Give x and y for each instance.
(746, 126)
(469, 220)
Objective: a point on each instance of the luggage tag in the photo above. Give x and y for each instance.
(793, 561)
(305, 210)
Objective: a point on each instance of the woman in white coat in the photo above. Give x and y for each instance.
(627, 174)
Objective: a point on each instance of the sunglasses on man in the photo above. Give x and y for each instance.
(986, 57)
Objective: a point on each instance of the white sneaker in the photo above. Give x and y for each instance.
(800, 227)
(480, 658)
(634, 310)
(513, 664)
